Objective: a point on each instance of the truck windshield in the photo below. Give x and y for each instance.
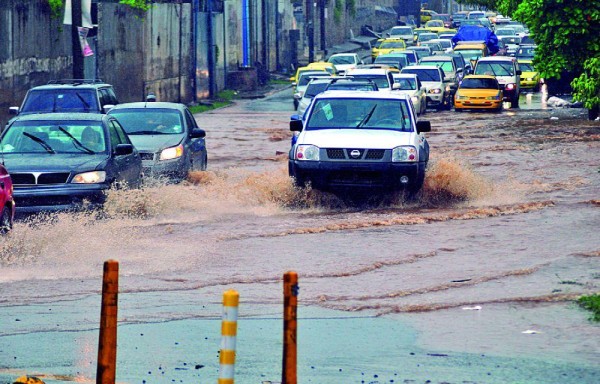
(360, 113)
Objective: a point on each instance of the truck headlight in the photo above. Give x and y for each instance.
(93, 177)
(435, 90)
(307, 152)
(405, 154)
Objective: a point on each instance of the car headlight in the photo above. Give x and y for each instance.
(497, 97)
(414, 99)
(307, 152)
(405, 154)
(171, 153)
(510, 86)
(435, 90)
(93, 177)
(459, 97)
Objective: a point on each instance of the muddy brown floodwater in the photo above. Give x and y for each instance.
(475, 281)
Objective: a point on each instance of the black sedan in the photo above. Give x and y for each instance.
(167, 136)
(65, 161)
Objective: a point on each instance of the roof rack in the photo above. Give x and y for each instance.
(76, 81)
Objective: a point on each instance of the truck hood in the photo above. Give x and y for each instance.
(356, 138)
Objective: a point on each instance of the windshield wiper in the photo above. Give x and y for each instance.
(367, 117)
(77, 143)
(41, 142)
(147, 133)
(85, 104)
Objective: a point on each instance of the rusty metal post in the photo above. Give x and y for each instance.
(107, 344)
(290, 326)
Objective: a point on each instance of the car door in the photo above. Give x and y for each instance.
(197, 146)
(127, 167)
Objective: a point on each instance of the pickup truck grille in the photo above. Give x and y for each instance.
(354, 154)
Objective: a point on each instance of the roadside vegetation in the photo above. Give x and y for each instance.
(566, 33)
(223, 99)
(591, 303)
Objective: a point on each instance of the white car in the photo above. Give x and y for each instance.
(432, 78)
(404, 32)
(360, 140)
(409, 84)
(344, 61)
(303, 80)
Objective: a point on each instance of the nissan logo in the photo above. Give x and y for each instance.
(355, 153)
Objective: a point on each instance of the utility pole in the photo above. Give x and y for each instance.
(211, 51)
(76, 45)
(310, 30)
(322, 7)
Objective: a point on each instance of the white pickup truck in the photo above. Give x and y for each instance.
(354, 139)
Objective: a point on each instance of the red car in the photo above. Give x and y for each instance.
(7, 203)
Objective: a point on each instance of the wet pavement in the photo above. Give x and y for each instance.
(473, 282)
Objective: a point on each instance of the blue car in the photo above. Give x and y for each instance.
(61, 161)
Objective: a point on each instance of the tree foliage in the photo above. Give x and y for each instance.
(56, 6)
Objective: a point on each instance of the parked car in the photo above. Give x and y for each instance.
(370, 140)
(432, 77)
(344, 61)
(167, 136)
(478, 92)
(410, 85)
(62, 161)
(7, 202)
(68, 95)
(506, 70)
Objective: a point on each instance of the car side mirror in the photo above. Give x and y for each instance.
(124, 149)
(197, 133)
(296, 125)
(13, 110)
(519, 72)
(423, 126)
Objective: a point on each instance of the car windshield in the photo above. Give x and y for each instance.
(401, 31)
(424, 74)
(427, 36)
(381, 81)
(396, 61)
(505, 32)
(149, 121)
(60, 100)
(70, 136)
(494, 69)
(526, 67)
(434, 23)
(392, 44)
(473, 83)
(467, 54)
(314, 89)
(406, 83)
(359, 113)
(342, 59)
(446, 66)
(511, 40)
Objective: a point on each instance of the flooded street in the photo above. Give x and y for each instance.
(474, 282)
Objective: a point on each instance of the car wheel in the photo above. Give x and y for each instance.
(5, 221)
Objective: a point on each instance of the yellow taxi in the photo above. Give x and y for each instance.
(478, 92)
(435, 26)
(375, 48)
(426, 15)
(317, 66)
(530, 78)
(389, 45)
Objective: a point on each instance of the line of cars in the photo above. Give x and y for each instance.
(71, 140)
